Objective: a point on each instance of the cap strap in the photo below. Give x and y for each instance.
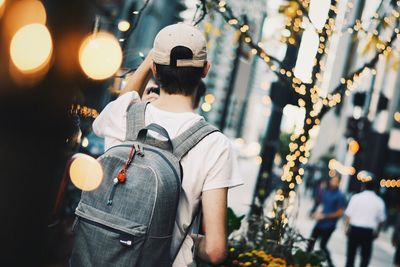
(190, 63)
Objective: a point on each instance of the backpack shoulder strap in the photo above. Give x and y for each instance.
(191, 137)
(135, 119)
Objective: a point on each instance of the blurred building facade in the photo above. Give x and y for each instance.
(145, 19)
(368, 118)
(233, 66)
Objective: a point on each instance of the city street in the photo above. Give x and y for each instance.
(239, 201)
(120, 123)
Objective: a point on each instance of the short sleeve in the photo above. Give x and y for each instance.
(350, 207)
(223, 171)
(341, 201)
(111, 122)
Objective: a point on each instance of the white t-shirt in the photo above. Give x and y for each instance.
(211, 164)
(366, 210)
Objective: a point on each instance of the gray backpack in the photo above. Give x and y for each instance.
(129, 219)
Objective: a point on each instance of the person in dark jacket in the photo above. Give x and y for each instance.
(332, 208)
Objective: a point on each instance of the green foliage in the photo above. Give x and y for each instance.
(268, 241)
(304, 259)
(283, 149)
(234, 221)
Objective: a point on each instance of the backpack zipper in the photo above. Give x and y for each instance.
(121, 177)
(179, 181)
(123, 235)
(112, 192)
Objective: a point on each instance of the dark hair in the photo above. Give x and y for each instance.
(179, 80)
(156, 88)
(200, 92)
(370, 185)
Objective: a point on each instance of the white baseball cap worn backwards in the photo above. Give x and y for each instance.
(183, 35)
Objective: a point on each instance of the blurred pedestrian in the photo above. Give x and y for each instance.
(364, 217)
(332, 207)
(319, 189)
(396, 241)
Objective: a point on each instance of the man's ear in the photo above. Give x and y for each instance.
(154, 70)
(206, 68)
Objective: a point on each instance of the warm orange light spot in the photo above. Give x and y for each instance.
(123, 25)
(100, 55)
(31, 48)
(354, 147)
(85, 172)
(21, 13)
(2, 7)
(397, 116)
(209, 98)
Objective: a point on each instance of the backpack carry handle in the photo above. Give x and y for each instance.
(141, 137)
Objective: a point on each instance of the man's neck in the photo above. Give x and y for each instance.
(174, 103)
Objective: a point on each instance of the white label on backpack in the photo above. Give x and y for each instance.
(126, 242)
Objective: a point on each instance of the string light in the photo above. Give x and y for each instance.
(83, 111)
(364, 177)
(390, 183)
(123, 25)
(397, 116)
(258, 160)
(339, 167)
(354, 147)
(231, 20)
(206, 107)
(309, 98)
(209, 98)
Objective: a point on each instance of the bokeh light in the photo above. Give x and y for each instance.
(354, 147)
(21, 13)
(100, 55)
(397, 116)
(209, 98)
(31, 48)
(206, 107)
(364, 176)
(85, 142)
(123, 25)
(85, 172)
(2, 7)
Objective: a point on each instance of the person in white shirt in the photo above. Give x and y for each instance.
(365, 214)
(179, 61)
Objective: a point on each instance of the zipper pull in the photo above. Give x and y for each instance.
(121, 177)
(112, 193)
(139, 150)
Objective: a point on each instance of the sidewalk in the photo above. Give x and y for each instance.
(240, 198)
(382, 253)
